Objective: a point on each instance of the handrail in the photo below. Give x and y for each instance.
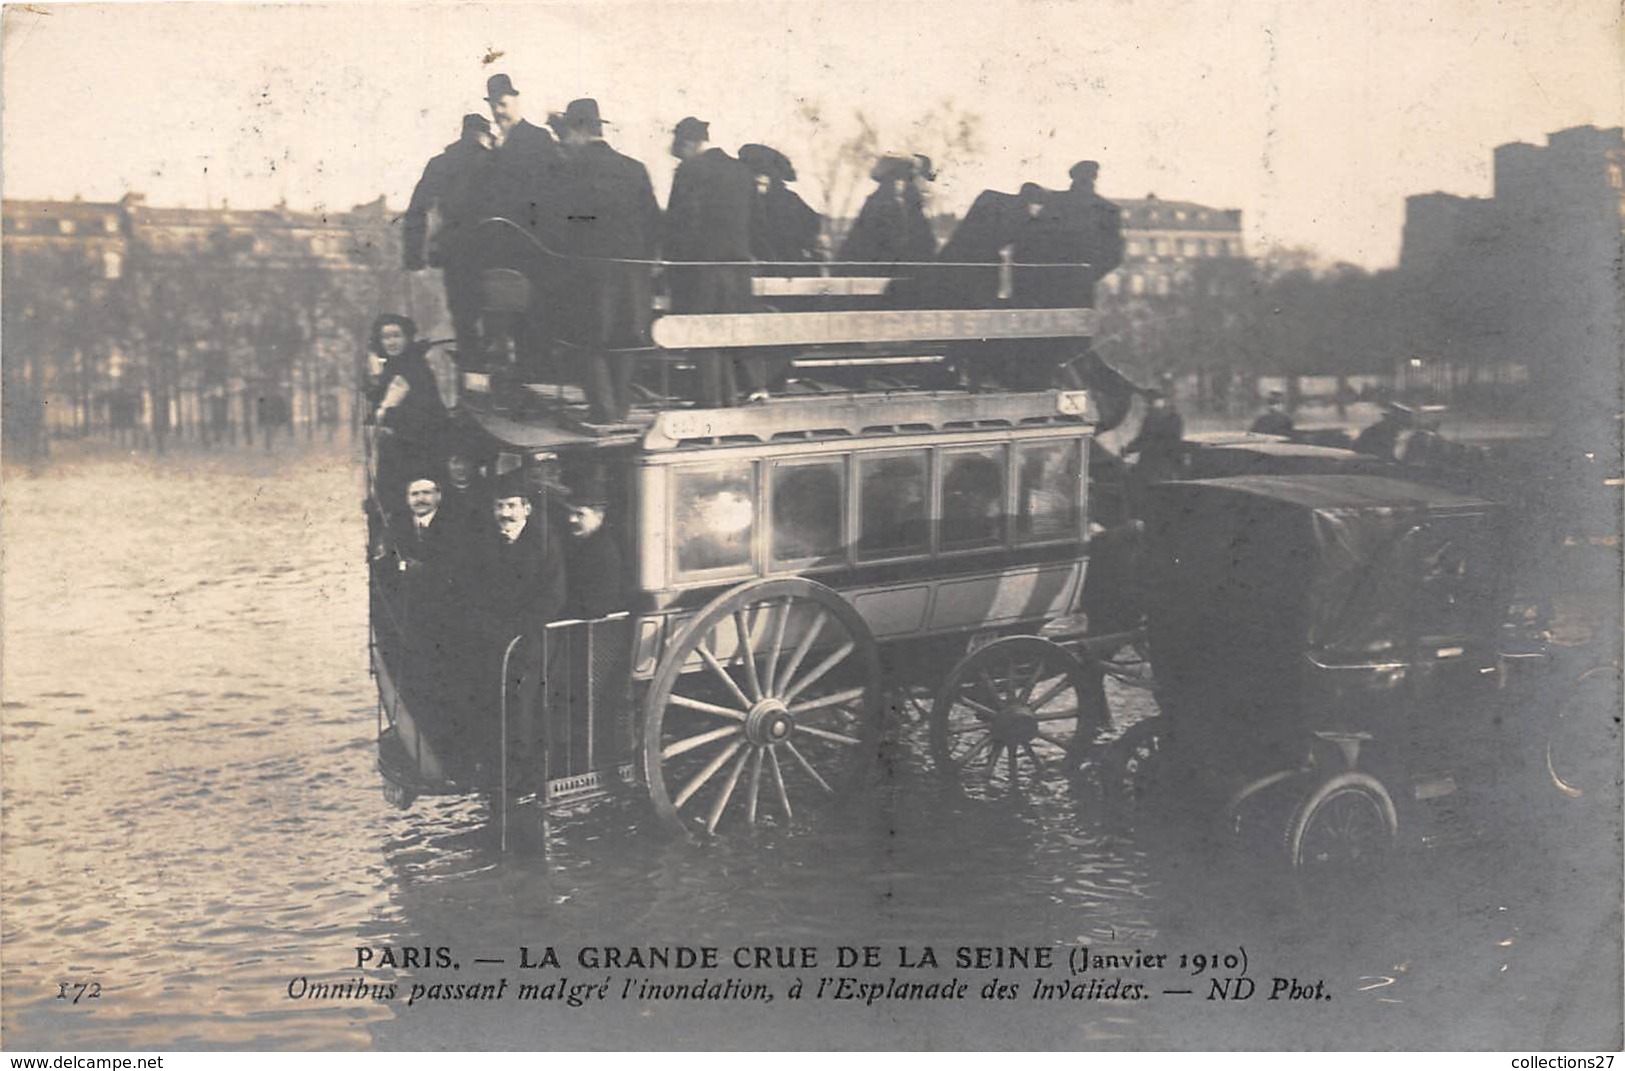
(502, 716)
(655, 262)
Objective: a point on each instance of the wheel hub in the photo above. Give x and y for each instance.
(1015, 726)
(769, 722)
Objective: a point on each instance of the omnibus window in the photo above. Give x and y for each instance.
(1047, 491)
(809, 515)
(892, 505)
(715, 515)
(972, 498)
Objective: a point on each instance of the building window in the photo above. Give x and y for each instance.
(715, 517)
(809, 510)
(112, 264)
(110, 224)
(1159, 247)
(1136, 283)
(972, 498)
(1179, 214)
(1162, 286)
(1136, 248)
(1616, 176)
(66, 226)
(1112, 283)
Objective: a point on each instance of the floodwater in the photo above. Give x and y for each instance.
(193, 824)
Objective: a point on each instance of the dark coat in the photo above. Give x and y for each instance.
(519, 586)
(1074, 227)
(993, 222)
(522, 180)
(786, 227)
(453, 183)
(596, 569)
(1160, 443)
(428, 568)
(708, 217)
(889, 229)
(421, 414)
(609, 210)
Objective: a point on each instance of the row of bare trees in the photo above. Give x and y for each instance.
(212, 344)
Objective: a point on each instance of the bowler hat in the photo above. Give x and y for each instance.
(923, 168)
(692, 129)
(583, 113)
(589, 488)
(499, 85)
(510, 484)
(477, 123)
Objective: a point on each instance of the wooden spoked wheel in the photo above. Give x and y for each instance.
(1012, 714)
(766, 706)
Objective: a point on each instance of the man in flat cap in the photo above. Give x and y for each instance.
(708, 218)
(892, 227)
(612, 221)
(452, 187)
(786, 229)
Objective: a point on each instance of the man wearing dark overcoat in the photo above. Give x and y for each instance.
(452, 186)
(611, 222)
(519, 587)
(708, 218)
(522, 186)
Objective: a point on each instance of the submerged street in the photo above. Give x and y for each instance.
(194, 821)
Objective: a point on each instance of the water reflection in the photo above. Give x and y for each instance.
(193, 818)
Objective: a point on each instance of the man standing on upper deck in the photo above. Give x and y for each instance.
(892, 226)
(522, 186)
(708, 218)
(452, 185)
(1096, 229)
(611, 221)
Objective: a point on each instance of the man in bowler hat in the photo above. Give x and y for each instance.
(892, 226)
(523, 187)
(708, 218)
(612, 221)
(452, 186)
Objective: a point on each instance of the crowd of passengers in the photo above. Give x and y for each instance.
(585, 230)
(464, 562)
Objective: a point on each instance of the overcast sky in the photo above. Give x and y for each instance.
(1314, 117)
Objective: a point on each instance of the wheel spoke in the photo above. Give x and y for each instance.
(834, 699)
(1032, 681)
(979, 708)
(755, 786)
(835, 658)
(698, 780)
(1054, 742)
(727, 793)
(1066, 715)
(778, 784)
(777, 648)
(748, 653)
(825, 734)
(706, 708)
(1043, 767)
(710, 659)
(1050, 693)
(689, 743)
(1010, 763)
(802, 648)
(968, 757)
(805, 765)
(995, 694)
